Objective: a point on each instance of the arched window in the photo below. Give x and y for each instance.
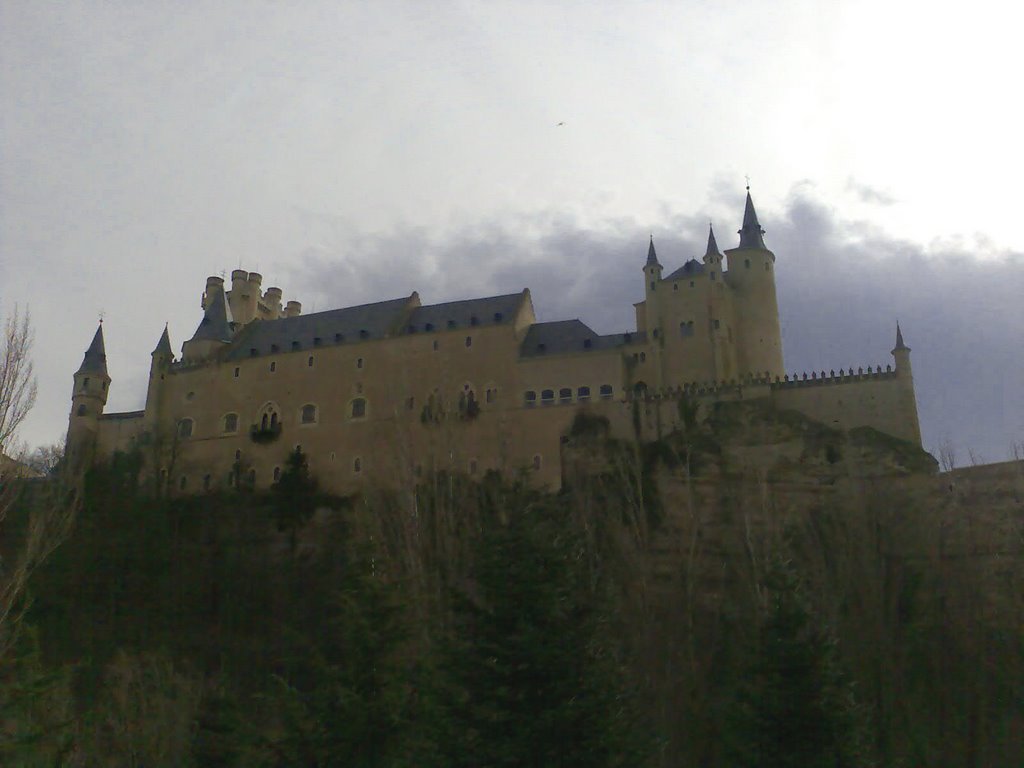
(565, 395)
(746, 263)
(357, 465)
(359, 362)
(231, 422)
(469, 341)
(606, 392)
(309, 414)
(185, 428)
(82, 410)
(359, 408)
(547, 397)
(536, 462)
(583, 394)
(273, 420)
(529, 399)
(640, 389)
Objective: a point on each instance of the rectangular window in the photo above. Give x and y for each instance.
(237, 372)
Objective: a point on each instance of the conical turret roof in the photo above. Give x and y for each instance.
(95, 360)
(900, 346)
(652, 257)
(751, 233)
(216, 322)
(163, 347)
(712, 244)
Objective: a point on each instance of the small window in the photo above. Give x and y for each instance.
(565, 395)
(357, 465)
(536, 462)
(309, 362)
(238, 455)
(277, 474)
(491, 395)
(253, 352)
(338, 338)
(652, 285)
(273, 367)
(309, 414)
(231, 422)
(583, 394)
(185, 428)
(718, 324)
(436, 345)
(469, 341)
(675, 286)
(359, 363)
(190, 396)
(81, 410)
(85, 383)
(587, 343)
(359, 408)
(428, 327)
(451, 323)
(654, 333)
(273, 420)
(317, 341)
(692, 283)
(547, 397)
(643, 357)
(746, 263)
(474, 321)
(497, 317)
(606, 392)
(364, 334)
(274, 348)
(529, 399)
(182, 482)
(238, 371)
(296, 346)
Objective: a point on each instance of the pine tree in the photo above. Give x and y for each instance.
(533, 683)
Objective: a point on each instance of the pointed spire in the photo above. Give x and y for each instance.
(95, 360)
(751, 234)
(652, 257)
(163, 347)
(712, 243)
(900, 346)
(216, 322)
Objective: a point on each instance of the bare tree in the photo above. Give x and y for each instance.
(45, 516)
(947, 455)
(17, 377)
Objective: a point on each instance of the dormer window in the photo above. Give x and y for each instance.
(587, 344)
(428, 327)
(274, 348)
(474, 321)
(451, 323)
(338, 338)
(317, 341)
(296, 346)
(253, 352)
(364, 334)
(497, 317)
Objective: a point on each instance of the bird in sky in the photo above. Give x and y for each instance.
(562, 123)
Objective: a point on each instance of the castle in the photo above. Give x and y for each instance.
(385, 392)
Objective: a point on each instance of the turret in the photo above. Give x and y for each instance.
(88, 398)
(160, 362)
(910, 428)
(272, 300)
(751, 276)
(242, 302)
(652, 277)
(293, 309)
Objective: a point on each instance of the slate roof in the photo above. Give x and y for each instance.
(652, 257)
(336, 326)
(491, 310)
(163, 347)
(751, 233)
(216, 322)
(712, 249)
(95, 359)
(690, 268)
(563, 337)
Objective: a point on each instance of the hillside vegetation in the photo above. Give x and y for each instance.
(757, 590)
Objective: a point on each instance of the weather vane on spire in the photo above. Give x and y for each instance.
(748, 182)
(102, 313)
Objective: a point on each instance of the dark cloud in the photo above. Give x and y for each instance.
(868, 194)
(842, 286)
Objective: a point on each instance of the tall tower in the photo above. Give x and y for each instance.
(909, 427)
(88, 398)
(160, 361)
(752, 277)
(652, 277)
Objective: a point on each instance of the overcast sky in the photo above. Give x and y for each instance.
(353, 152)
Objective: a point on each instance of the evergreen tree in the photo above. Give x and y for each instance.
(532, 681)
(796, 709)
(295, 496)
